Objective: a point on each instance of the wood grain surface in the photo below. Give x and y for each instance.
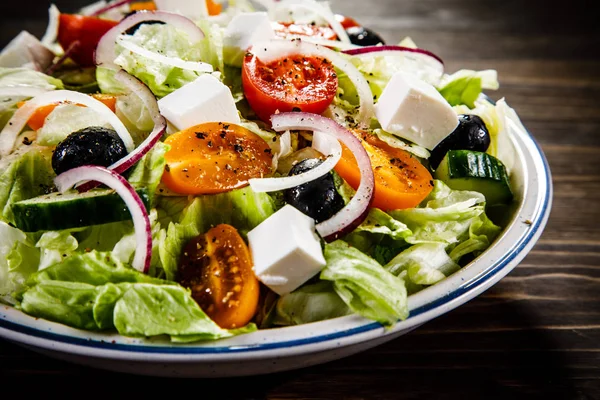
(534, 335)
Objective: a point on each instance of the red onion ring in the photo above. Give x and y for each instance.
(355, 212)
(105, 51)
(390, 48)
(326, 144)
(160, 126)
(109, 7)
(141, 221)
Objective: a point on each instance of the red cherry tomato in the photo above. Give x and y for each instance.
(295, 83)
(85, 30)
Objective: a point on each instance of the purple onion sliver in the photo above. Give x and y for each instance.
(110, 7)
(375, 49)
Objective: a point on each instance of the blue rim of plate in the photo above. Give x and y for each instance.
(458, 292)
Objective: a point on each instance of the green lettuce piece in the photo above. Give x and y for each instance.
(26, 176)
(21, 78)
(135, 116)
(482, 233)
(66, 119)
(211, 47)
(149, 170)
(69, 303)
(161, 78)
(93, 268)
(55, 246)
(149, 310)
(241, 208)
(104, 305)
(465, 86)
(444, 216)
(309, 303)
(379, 236)
(425, 264)
(364, 285)
(395, 141)
(18, 259)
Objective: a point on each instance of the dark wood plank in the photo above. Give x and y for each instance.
(536, 334)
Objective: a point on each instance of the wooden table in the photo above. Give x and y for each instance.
(536, 334)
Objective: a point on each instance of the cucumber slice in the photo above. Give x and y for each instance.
(476, 171)
(57, 211)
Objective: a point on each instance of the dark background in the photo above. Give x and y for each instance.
(536, 334)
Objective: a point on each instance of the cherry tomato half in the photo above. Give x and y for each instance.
(85, 30)
(295, 83)
(286, 29)
(213, 158)
(217, 267)
(401, 181)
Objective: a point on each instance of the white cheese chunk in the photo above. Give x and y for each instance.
(286, 250)
(414, 110)
(242, 31)
(204, 100)
(193, 9)
(26, 51)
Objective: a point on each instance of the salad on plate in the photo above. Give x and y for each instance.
(199, 170)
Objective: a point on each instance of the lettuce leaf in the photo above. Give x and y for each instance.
(149, 170)
(26, 176)
(17, 256)
(465, 86)
(309, 303)
(66, 119)
(364, 285)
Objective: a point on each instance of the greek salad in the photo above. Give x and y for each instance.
(198, 170)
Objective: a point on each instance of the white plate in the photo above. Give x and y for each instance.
(300, 346)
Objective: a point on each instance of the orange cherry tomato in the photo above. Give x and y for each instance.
(142, 5)
(213, 7)
(295, 83)
(217, 267)
(38, 118)
(213, 158)
(85, 30)
(401, 181)
(286, 29)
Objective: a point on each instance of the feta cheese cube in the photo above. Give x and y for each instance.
(242, 31)
(193, 9)
(26, 51)
(414, 110)
(204, 100)
(286, 250)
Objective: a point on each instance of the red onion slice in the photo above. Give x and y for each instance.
(425, 59)
(141, 221)
(105, 52)
(21, 116)
(357, 209)
(277, 49)
(324, 143)
(160, 126)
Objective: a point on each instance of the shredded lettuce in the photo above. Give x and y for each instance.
(364, 285)
(148, 172)
(397, 142)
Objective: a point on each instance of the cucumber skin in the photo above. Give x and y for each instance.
(59, 215)
(476, 171)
